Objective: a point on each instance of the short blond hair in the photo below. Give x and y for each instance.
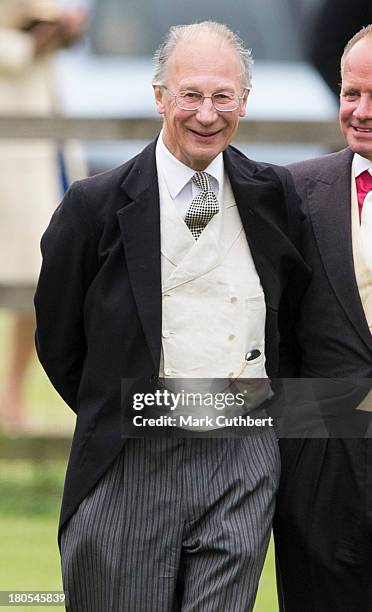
(365, 32)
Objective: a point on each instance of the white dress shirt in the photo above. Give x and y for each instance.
(360, 164)
(177, 177)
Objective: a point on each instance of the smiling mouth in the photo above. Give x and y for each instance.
(362, 130)
(206, 135)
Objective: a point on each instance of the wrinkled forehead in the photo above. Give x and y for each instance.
(204, 58)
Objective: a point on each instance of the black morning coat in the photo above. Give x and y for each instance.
(98, 300)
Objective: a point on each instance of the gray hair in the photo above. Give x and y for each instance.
(363, 33)
(184, 32)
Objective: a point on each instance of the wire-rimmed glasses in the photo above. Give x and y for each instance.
(192, 100)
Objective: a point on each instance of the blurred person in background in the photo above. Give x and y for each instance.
(323, 524)
(33, 173)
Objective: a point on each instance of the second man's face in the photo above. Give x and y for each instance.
(356, 98)
(206, 67)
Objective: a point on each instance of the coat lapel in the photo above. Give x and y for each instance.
(256, 194)
(139, 221)
(329, 198)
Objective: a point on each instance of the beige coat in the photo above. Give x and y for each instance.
(30, 186)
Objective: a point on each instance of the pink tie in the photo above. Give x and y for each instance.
(363, 186)
(364, 191)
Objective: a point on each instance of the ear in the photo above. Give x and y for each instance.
(243, 106)
(159, 99)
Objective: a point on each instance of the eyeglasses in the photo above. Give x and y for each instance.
(192, 100)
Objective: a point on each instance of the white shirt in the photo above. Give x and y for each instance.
(360, 164)
(177, 177)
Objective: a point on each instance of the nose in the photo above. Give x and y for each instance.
(363, 109)
(206, 114)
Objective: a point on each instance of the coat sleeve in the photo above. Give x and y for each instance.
(69, 252)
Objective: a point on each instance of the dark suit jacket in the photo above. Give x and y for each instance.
(332, 335)
(98, 301)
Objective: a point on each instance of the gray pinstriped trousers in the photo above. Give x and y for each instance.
(179, 524)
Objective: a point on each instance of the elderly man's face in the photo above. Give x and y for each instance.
(356, 98)
(204, 66)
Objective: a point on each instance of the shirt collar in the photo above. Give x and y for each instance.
(177, 175)
(361, 164)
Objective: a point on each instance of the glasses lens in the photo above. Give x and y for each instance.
(225, 102)
(192, 100)
(189, 100)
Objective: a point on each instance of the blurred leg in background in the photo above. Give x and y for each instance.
(20, 352)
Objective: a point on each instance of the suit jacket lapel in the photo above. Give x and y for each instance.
(255, 190)
(139, 221)
(329, 198)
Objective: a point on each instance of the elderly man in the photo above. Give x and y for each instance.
(324, 513)
(173, 264)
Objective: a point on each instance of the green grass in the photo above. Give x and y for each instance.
(29, 507)
(30, 497)
(29, 556)
(266, 598)
(30, 489)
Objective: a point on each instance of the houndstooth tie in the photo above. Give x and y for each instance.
(203, 207)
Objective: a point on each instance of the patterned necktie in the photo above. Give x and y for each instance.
(203, 207)
(364, 191)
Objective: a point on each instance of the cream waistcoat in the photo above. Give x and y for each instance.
(213, 307)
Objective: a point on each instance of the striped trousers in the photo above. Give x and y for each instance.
(174, 525)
